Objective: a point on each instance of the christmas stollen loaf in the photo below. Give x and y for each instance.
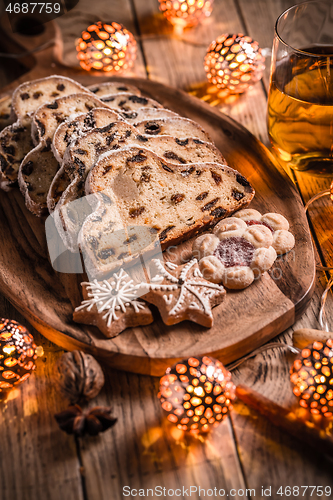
(174, 201)
(15, 140)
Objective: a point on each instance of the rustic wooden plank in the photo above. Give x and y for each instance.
(144, 450)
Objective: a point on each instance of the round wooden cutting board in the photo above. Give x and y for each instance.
(244, 321)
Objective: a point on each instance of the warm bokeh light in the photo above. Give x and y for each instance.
(234, 62)
(196, 393)
(186, 13)
(106, 47)
(17, 354)
(312, 376)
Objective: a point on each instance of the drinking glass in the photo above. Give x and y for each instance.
(300, 101)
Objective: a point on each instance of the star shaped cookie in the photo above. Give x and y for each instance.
(181, 292)
(112, 305)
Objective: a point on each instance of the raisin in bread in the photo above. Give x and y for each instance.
(177, 127)
(129, 102)
(15, 140)
(176, 202)
(113, 87)
(38, 167)
(6, 115)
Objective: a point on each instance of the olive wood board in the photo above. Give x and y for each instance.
(245, 320)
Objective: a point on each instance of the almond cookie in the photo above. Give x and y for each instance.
(112, 305)
(181, 292)
(235, 254)
(283, 239)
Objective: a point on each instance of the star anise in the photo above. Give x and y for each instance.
(92, 421)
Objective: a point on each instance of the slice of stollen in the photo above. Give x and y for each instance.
(69, 131)
(175, 202)
(31, 95)
(129, 102)
(113, 87)
(177, 127)
(39, 166)
(15, 140)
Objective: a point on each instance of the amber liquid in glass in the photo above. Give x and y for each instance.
(300, 110)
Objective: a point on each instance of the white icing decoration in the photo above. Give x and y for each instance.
(171, 265)
(168, 299)
(197, 273)
(201, 290)
(118, 295)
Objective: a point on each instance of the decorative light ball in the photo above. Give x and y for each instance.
(196, 393)
(106, 47)
(312, 376)
(17, 354)
(234, 62)
(186, 13)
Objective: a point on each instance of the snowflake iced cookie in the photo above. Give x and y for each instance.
(235, 253)
(112, 305)
(283, 239)
(181, 292)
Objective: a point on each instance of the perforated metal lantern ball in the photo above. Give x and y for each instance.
(234, 62)
(312, 376)
(106, 47)
(196, 393)
(186, 13)
(17, 354)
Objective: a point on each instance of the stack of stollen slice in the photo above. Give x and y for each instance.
(64, 132)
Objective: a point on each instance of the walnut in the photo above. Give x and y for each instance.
(79, 376)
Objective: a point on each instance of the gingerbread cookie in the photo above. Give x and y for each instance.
(236, 253)
(112, 305)
(181, 292)
(283, 239)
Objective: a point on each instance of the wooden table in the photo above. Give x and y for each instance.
(246, 452)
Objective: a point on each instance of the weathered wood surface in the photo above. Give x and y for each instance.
(141, 451)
